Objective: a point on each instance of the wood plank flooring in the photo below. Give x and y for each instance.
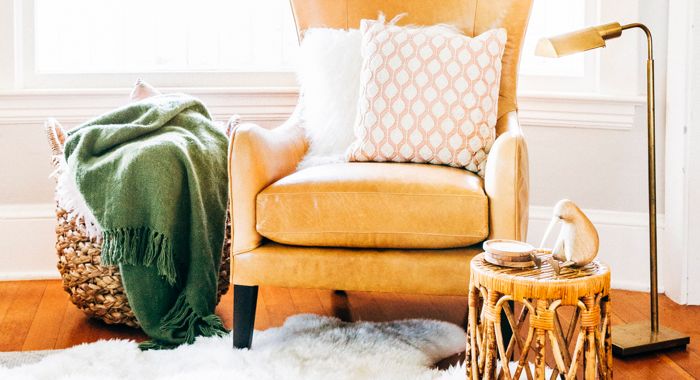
(37, 315)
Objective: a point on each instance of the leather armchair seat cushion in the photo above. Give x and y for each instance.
(375, 205)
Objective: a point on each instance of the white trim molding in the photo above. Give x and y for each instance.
(682, 161)
(26, 211)
(604, 217)
(590, 111)
(624, 243)
(28, 276)
(72, 107)
(27, 242)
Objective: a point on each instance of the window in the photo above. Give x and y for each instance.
(240, 43)
(552, 17)
(548, 18)
(175, 43)
(107, 36)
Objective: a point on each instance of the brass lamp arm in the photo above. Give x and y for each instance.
(650, 48)
(588, 38)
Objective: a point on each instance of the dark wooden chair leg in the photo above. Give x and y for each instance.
(465, 319)
(245, 299)
(341, 305)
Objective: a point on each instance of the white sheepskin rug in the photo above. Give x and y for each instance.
(305, 347)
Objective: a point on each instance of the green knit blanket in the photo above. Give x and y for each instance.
(154, 175)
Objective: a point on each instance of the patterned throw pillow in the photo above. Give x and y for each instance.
(427, 95)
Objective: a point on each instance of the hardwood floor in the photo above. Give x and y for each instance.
(37, 315)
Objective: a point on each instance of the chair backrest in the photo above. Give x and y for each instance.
(473, 17)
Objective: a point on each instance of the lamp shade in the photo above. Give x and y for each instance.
(578, 41)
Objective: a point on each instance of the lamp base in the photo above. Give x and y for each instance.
(636, 338)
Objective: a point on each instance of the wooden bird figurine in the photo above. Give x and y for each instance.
(577, 243)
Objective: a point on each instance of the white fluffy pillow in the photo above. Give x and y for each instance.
(329, 75)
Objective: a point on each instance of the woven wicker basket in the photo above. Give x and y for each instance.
(94, 288)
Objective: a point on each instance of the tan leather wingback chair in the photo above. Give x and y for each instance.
(385, 227)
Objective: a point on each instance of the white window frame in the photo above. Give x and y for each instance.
(615, 71)
(586, 83)
(27, 78)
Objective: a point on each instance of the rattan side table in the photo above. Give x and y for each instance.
(544, 300)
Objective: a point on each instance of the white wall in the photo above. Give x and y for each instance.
(26, 210)
(693, 168)
(604, 169)
(26, 192)
(682, 263)
(589, 149)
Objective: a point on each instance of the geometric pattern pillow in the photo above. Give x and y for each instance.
(427, 95)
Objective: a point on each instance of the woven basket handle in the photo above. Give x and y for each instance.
(56, 136)
(232, 123)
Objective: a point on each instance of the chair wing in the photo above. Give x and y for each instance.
(473, 17)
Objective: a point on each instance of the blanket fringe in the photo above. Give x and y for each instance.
(183, 317)
(139, 246)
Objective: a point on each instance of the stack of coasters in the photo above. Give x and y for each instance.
(510, 253)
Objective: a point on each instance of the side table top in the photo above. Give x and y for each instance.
(541, 283)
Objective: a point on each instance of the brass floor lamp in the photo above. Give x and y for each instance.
(633, 338)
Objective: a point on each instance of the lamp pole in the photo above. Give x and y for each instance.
(631, 338)
(651, 141)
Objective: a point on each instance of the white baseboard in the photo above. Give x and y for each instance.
(27, 211)
(635, 286)
(27, 240)
(27, 243)
(21, 276)
(624, 243)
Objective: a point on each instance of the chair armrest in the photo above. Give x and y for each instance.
(257, 158)
(507, 182)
